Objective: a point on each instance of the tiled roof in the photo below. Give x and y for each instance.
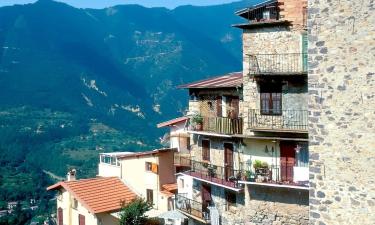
(228, 80)
(171, 122)
(98, 195)
(167, 193)
(138, 154)
(170, 187)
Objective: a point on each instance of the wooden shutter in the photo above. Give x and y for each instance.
(81, 220)
(60, 216)
(235, 105)
(304, 52)
(154, 168)
(206, 150)
(219, 112)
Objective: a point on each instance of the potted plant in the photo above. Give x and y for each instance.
(198, 122)
(261, 170)
(250, 176)
(212, 170)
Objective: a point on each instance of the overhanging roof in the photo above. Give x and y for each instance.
(243, 12)
(139, 154)
(230, 80)
(173, 121)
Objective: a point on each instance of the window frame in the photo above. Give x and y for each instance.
(150, 196)
(271, 95)
(148, 166)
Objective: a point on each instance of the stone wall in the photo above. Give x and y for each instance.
(267, 205)
(275, 40)
(294, 11)
(216, 149)
(342, 111)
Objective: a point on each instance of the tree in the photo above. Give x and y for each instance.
(133, 213)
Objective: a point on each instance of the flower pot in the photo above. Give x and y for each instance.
(199, 127)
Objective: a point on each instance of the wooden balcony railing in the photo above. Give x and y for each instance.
(295, 120)
(222, 125)
(278, 64)
(192, 207)
(226, 176)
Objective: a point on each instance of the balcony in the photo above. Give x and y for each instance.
(218, 175)
(286, 120)
(220, 125)
(273, 176)
(278, 64)
(192, 208)
(181, 159)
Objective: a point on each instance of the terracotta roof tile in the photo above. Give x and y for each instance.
(170, 187)
(167, 193)
(98, 195)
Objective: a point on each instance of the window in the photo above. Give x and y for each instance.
(151, 167)
(266, 15)
(270, 99)
(206, 150)
(81, 219)
(150, 196)
(148, 166)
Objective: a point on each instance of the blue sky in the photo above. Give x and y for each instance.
(105, 3)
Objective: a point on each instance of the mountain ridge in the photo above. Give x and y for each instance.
(77, 82)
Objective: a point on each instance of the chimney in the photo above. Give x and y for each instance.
(71, 175)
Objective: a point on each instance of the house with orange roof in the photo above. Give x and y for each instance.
(95, 201)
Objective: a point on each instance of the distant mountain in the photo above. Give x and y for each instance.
(114, 68)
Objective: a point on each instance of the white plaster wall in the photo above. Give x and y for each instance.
(300, 174)
(188, 185)
(70, 214)
(106, 170)
(255, 150)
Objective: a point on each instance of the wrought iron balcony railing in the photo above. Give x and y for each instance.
(294, 120)
(226, 176)
(278, 64)
(269, 175)
(221, 125)
(192, 207)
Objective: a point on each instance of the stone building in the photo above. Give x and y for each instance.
(342, 112)
(249, 151)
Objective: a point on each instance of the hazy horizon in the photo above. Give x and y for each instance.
(171, 4)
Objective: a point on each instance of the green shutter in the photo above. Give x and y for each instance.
(304, 52)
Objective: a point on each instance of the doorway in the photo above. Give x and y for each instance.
(228, 160)
(287, 160)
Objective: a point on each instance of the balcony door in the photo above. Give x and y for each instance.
(206, 197)
(228, 160)
(233, 106)
(287, 160)
(270, 99)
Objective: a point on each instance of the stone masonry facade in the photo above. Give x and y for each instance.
(342, 111)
